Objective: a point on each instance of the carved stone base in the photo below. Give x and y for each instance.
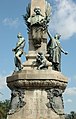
(40, 91)
(35, 107)
(37, 79)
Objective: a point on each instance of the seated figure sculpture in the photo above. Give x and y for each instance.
(19, 51)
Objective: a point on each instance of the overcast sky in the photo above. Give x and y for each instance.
(63, 21)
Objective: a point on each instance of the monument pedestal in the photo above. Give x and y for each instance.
(36, 85)
(35, 107)
(36, 90)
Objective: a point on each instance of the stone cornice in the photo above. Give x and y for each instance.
(36, 79)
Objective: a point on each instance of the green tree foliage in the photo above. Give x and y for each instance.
(72, 115)
(4, 107)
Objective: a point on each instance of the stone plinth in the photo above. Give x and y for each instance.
(35, 84)
(30, 58)
(37, 79)
(36, 107)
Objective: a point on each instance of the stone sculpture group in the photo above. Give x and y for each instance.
(42, 57)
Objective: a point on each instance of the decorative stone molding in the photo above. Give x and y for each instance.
(37, 79)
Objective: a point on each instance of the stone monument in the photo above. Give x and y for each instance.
(37, 88)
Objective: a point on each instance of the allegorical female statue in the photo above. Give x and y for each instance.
(55, 49)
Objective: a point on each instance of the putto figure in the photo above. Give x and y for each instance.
(40, 61)
(19, 51)
(54, 50)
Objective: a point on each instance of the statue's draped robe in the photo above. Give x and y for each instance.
(55, 49)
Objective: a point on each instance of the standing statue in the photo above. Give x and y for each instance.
(54, 50)
(19, 51)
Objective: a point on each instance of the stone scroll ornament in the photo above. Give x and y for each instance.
(17, 101)
(55, 100)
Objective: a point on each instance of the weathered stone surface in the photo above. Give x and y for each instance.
(38, 3)
(42, 38)
(35, 107)
(37, 79)
(37, 38)
(37, 34)
(35, 82)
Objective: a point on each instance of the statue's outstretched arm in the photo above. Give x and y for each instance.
(62, 50)
(50, 36)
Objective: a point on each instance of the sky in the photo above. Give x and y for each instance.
(63, 21)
